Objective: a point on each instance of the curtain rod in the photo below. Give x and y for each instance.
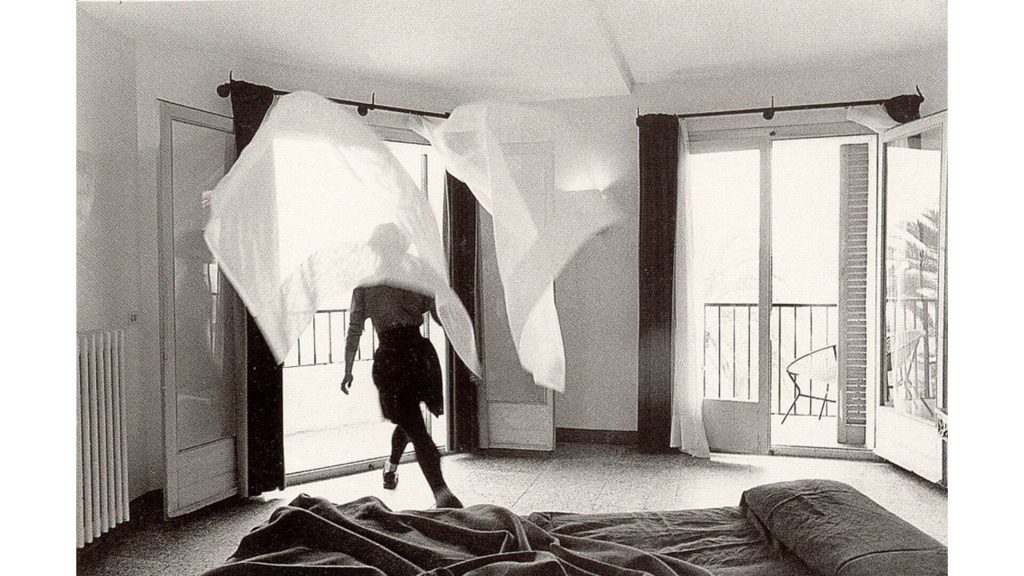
(769, 112)
(224, 90)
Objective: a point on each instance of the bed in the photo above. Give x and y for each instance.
(798, 528)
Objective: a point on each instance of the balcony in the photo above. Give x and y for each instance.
(731, 366)
(322, 426)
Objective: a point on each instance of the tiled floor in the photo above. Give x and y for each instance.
(577, 478)
(804, 430)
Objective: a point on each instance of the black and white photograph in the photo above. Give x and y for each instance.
(509, 287)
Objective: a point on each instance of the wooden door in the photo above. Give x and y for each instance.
(515, 412)
(202, 321)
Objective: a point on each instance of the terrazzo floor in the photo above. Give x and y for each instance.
(574, 478)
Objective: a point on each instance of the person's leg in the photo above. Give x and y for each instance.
(399, 441)
(427, 454)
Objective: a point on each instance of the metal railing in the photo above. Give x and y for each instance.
(731, 347)
(323, 341)
(904, 314)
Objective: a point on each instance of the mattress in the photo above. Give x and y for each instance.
(806, 527)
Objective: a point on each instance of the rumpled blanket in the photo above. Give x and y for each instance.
(798, 528)
(313, 536)
(722, 540)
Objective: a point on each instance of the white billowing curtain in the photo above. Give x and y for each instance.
(528, 167)
(289, 223)
(873, 117)
(687, 323)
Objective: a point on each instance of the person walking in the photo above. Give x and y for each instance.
(406, 369)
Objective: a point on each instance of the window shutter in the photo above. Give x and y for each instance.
(853, 268)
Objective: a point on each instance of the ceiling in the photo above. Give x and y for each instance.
(539, 49)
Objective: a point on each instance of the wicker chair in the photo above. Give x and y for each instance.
(817, 366)
(903, 358)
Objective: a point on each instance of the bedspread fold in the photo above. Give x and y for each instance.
(363, 537)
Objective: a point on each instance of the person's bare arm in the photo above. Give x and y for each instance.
(357, 319)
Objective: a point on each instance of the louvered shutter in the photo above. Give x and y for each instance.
(853, 268)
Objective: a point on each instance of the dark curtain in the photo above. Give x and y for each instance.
(265, 406)
(659, 160)
(460, 239)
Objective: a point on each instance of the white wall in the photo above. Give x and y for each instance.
(107, 259)
(596, 294)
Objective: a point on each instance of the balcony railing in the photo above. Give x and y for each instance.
(323, 342)
(731, 348)
(905, 314)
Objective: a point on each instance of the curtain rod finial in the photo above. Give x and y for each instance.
(224, 90)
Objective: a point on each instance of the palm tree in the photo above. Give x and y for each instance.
(913, 273)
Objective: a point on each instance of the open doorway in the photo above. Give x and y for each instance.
(326, 432)
(782, 235)
(820, 195)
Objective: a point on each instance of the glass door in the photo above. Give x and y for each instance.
(200, 318)
(781, 243)
(912, 391)
(728, 185)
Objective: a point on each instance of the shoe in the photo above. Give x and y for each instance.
(390, 480)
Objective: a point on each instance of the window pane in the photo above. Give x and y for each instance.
(725, 198)
(912, 206)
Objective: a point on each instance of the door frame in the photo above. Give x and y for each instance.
(848, 130)
(401, 136)
(171, 112)
(759, 413)
(756, 438)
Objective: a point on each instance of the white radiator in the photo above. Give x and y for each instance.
(102, 479)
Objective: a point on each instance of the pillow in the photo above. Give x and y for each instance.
(839, 531)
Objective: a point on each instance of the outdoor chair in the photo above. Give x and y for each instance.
(816, 367)
(903, 358)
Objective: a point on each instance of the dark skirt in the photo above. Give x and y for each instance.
(406, 371)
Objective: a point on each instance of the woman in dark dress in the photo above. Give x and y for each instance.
(406, 369)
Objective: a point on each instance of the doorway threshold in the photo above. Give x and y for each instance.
(347, 469)
(853, 453)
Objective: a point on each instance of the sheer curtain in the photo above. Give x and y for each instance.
(290, 223)
(529, 168)
(874, 118)
(687, 324)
